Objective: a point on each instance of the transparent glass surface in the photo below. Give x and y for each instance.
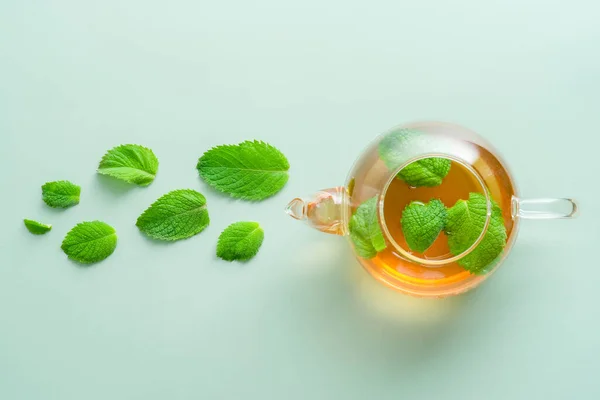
(475, 168)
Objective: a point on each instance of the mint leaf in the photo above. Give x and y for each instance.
(426, 172)
(35, 227)
(179, 214)
(240, 241)
(90, 242)
(250, 170)
(365, 231)
(422, 223)
(399, 146)
(131, 163)
(466, 220)
(60, 194)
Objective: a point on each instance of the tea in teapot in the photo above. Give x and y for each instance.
(429, 209)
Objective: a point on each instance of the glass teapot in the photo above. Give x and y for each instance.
(429, 209)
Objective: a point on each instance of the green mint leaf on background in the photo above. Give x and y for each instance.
(240, 241)
(130, 163)
(60, 194)
(427, 172)
(250, 170)
(179, 214)
(37, 228)
(90, 242)
(466, 220)
(422, 223)
(365, 232)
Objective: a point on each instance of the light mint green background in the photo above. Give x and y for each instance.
(318, 79)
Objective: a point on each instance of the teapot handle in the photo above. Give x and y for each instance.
(544, 208)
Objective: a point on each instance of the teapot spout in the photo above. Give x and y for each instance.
(323, 211)
(296, 209)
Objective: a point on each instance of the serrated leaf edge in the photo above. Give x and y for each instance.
(160, 198)
(31, 222)
(77, 198)
(105, 156)
(241, 196)
(258, 228)
(103, 237)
